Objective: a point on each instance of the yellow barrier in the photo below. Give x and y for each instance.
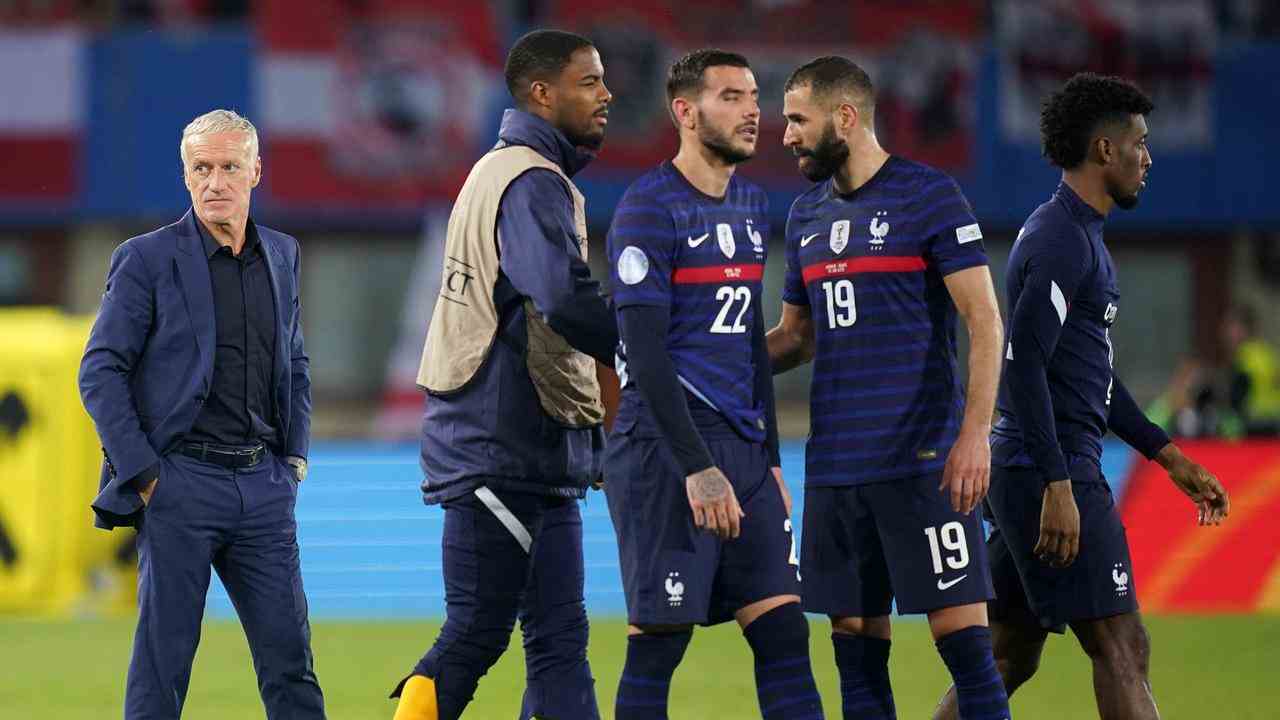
(52, 560)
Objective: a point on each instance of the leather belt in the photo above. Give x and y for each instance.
(230, 456)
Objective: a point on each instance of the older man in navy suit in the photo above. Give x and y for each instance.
(196, 377)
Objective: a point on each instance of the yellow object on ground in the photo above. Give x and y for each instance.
(418, 700)
(52, 560)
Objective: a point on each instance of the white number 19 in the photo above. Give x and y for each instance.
(842, 310)
(953, 540)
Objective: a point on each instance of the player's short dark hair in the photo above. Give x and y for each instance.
(540, 55)
(832, 75)
(687, 75)
(1071, 116)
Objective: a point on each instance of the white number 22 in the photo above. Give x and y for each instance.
(728, 296)
(794, 559)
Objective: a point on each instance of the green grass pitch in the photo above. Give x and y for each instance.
(1222, 667)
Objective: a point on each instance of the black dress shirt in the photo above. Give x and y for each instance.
(240, 409)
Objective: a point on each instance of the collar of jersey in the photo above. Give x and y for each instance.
(875, 179)
(680, 178)
(1078, 206)
(522, 128)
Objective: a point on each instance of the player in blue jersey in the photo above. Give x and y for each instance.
(881, 254)
(692, 473)
(1060, 556)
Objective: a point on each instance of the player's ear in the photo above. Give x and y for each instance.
(846, 117)
(684, 112)
(540, 94)
(1103, 150)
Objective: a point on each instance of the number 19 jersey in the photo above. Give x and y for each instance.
(886, 400)
(703, 258)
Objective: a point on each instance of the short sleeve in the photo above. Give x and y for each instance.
(793, 291)
(641, 245)
(953, 238)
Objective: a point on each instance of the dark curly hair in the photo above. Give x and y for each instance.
(1071, 115)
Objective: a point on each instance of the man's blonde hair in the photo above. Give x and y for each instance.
(218, 121)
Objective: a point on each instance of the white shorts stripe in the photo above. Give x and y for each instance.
(694, 391)
(505, 516)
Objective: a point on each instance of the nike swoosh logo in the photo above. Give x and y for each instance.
(695, 242)
(946, 585)
(805, 240)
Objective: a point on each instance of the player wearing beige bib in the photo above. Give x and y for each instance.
(512, 432)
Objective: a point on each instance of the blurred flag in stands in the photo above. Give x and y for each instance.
(42, 116)
(376, 106)
(1167, 48)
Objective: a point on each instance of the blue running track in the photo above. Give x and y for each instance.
(371, 549)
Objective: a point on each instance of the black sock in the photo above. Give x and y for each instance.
(646, 677)
(979, 687)
(863, 663)
(784, 678)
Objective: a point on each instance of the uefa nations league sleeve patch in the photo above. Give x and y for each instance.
(968, 233)
(633, 265)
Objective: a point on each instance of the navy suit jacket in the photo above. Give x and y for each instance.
(149, 363)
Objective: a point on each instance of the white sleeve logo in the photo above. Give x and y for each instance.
(633, 265)
(968, 233)
(1059, 301)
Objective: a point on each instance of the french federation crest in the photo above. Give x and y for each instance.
(839, 236)
(757, 242)
(724, 236)
(878, 230)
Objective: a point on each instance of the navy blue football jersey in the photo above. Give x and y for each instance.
(1063, 298)
(886, 400)
(702, 258)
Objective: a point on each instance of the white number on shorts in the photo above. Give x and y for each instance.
(953, 540)
(1111, 361)
(728, 295)
(842, 310)
(795, 558)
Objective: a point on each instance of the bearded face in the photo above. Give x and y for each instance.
(821, 161)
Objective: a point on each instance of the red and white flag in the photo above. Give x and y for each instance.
(42, 114)
(379, 107)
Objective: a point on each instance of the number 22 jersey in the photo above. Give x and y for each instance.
(672, 246)
(886, 400)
